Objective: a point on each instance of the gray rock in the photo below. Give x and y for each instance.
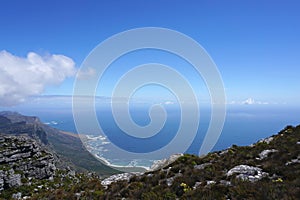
(170, 180)
(197, 184)
(266, 140)
(119, 177)
(248, 173)
(224, 182)
(17, 195)
(13, 180)
(293, 161)
(26, 156)
(202, 166)
(265, 153)
(164, 162)
(210, 182)
(223, 152)
(1, 183)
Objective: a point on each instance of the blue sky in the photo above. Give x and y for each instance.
(255, 44)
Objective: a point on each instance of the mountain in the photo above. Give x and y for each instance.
(14, 123)
(23, 158)
(268, 169)
(29, 168)
(67, 146)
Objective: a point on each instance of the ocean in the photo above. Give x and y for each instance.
(244, 125)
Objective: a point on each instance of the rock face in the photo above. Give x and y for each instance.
(68, 147)
(118, 177)
(266, 140)
(13, 123)
(294, 161)
(22, 157)
(246, 172)
(164, 162)
(265, 153)
(202, 166)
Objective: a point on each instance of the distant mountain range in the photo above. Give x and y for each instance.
(35, 162)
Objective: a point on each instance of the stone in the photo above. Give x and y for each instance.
(170, 180)
(164, 162)
(1, 184)
(210, 182)
(223, 152)
(13, 180)
(224, 182)
(266, 140)
(202, 166)
(197, 184)
(119, 177)
(293, 161)
(28, 157)
(247, 173)
(17, 195)
(265, 153)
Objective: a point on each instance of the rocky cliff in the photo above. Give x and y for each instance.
(22, 159)
(29, 168)
(68, 147)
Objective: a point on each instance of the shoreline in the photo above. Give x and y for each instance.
(121, 167)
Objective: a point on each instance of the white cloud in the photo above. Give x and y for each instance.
(249, 101)
(88, 73)
(169, 102)
(22, 77)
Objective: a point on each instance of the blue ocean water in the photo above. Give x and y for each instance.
(244, 125)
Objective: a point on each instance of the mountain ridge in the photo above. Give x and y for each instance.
(267, 169)
(69, 148)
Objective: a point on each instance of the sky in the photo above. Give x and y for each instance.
(255, 44)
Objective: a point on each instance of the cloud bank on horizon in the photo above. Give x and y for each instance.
(21, 77)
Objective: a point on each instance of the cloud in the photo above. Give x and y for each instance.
(169, 102)
(88, 73)
(249, 101)
(23, 77)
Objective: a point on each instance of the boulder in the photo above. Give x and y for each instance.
(247, 173)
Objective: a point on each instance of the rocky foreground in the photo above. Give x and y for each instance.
(68, 147)
(268, 169)
(23, 158)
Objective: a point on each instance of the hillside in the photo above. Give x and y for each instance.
(268, 169)
(68, 147)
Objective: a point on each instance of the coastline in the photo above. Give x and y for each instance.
(122, 168)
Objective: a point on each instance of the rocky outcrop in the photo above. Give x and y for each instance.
(246, 172)
(169, 181)
(119, 177)
(23, 158)
(294, 161)
(265, 153)
(266, 140)
(68, 147)
(164, 162)
(202, 166)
